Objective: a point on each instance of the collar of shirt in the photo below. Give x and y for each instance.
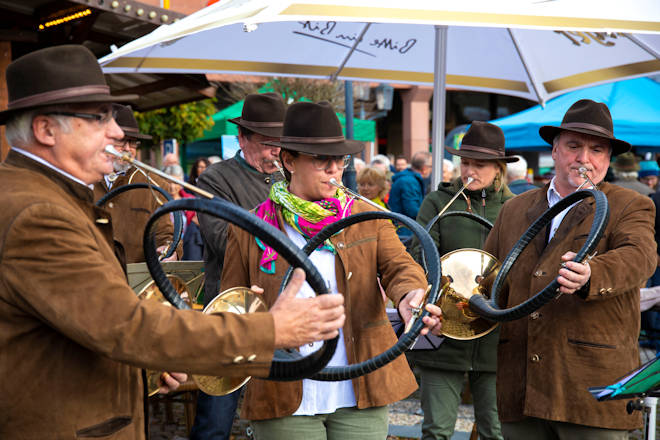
(51, 166)
(109, 182)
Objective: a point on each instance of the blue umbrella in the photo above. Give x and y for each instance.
(633, 104)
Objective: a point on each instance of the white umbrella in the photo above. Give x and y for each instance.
(478, 52)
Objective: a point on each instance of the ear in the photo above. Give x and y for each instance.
(44, 129)
(287, 160)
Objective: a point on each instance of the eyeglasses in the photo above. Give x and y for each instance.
(323, 162)
(101, 118)
(130, 143)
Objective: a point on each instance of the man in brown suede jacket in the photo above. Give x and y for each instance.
(131, 210)
(588, 335)
(73, 334)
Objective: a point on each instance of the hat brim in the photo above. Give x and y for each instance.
(479, 156)
(549, 132)
(88, 99)
(264, 131)
(130, 132)
(347, 146)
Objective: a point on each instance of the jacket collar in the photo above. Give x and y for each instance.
(68, 185)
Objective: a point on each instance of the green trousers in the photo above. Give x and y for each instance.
(343, 424)
(540, 429)
(441, 395)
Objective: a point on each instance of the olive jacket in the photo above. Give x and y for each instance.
(237, 181)
(73, 335)
(130, 212)
(453, 233)
(547, 361)
(364, 251)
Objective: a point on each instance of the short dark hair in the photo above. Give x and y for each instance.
(420, 159)
(245, 132)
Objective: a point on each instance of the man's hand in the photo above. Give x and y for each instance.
(572, 276)
(300, 321)
(171, 381)
(161, 251)
(412, 300)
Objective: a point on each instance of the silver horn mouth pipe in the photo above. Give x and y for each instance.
(583, 173)
(467, 182)
(355, 195)
(109, 149)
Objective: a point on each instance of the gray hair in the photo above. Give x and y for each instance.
(174, 170)
(381, 159)
(517, 170)
(420, 159)
(19, 128)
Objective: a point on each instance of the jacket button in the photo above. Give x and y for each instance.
(535, 358)
(535, 315)
(609, 290)
(111, 205)
(602, 291)
(348, 277)
(102, 221)
(341, 245)
(251, 358)
(538, 273)
(238, 359)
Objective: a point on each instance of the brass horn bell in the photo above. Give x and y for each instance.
(235, 300)
(151, 292)
(468, 272)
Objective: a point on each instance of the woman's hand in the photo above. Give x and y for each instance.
(412, 300)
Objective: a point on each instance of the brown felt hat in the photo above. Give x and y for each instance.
(67, 74)
(626, 162)
(262, 113)
(587, 117)
(315, 129)
(127, 122)
(483, 141)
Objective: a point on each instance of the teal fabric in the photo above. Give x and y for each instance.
(343, 424)
(456, 233)
(441, 395)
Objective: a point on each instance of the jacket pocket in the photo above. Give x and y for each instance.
(590, 344)
(104, 429)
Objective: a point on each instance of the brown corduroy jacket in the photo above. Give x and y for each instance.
(130, 212)
(73, 334)
(548, 360)
(363, 251)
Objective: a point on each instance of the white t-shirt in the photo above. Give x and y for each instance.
(323, 397)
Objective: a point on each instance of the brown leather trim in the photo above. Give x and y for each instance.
(312, 140)
(489, 151)
(587, 126)
(260, 124)
(56, 95)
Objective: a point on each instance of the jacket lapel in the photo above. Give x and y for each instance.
(539, 207)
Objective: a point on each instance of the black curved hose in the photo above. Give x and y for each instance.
(178, 219)
(407, 339)
(490, 310)
(285, 365)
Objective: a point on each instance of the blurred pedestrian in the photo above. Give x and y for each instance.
(517, 176)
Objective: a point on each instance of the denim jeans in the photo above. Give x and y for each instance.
(215, 416)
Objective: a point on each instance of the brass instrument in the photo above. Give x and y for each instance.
(151, 292)
(583, 174)
(237, 300)
(355, 195)
(111, 150)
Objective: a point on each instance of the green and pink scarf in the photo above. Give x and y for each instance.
(306, 217)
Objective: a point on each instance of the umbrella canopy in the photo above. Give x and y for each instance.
(633, 104)
(552, 48)
(364, 131)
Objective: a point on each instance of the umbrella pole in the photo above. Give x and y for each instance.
(650, 411)
(439, 98)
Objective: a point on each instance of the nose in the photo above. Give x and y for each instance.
(113, 131)
(583, 155)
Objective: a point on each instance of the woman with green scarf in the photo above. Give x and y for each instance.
(442, 371)
(314, 151)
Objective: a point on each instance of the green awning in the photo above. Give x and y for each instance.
(364, 131)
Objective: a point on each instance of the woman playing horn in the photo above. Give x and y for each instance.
(314, 151)
(442, 371)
